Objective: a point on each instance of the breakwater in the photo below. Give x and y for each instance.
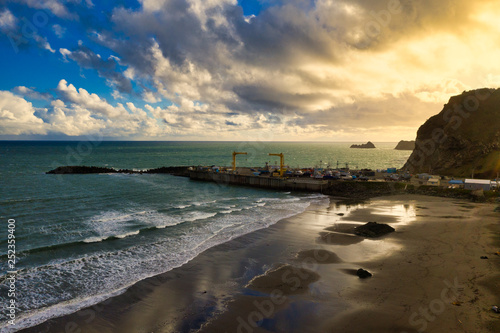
(340, 188)
(290, 184)
(337, 188)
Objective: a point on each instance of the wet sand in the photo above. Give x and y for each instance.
(299, 276)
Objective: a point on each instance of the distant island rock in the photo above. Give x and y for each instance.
(405, 145)
(463, 139)
(365, 145)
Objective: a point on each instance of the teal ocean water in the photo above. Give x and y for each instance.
(83, 238)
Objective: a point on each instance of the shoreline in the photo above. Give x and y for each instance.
(336, 188)
(209, 293)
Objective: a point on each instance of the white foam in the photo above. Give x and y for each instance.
(128, 234)
(118, 224)
(94, 239)
(182, 206)
(111, 272)
(203, 203)
(196, 215)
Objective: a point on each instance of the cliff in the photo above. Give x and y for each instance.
(365, 145)
(405, 145)
(463, 139)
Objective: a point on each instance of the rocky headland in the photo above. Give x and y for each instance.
(405, 145)
(463, 139)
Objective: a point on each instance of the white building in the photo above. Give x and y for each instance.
(477, 184)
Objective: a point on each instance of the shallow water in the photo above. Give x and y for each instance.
(83, 238)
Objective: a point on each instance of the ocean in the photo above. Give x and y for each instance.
(81, 239)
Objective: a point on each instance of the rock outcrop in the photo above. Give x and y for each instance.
(463, 139)
(363, 274)
(373, 229)
(79, 170)
(364, 145)
(405, 145)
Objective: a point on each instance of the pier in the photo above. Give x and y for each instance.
(291, 184)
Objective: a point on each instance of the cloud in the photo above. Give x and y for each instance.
(74, 112)
(58, 30)
(106, 68)
(31, 94)
(89, 101)
(17, 116)
(72, 121)
(302, 68)
(54, 6)
(7, 20)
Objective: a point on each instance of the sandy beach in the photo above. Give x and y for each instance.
(299, 275)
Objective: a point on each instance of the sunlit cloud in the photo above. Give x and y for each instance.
(323, 70)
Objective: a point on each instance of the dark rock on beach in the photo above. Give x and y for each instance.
(364, 145)
(373, 229)
(363, 274)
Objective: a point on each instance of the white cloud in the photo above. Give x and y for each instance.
(65, 53)
(58, 30)
(30, 93)
(56, 7)
(89, 101)
(17, 116)
(302, 69)
(7, 20)
(72, 121)
(150, 97)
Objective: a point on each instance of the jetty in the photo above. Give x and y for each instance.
(291, 184)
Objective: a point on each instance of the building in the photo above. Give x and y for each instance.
(434, 181)
(477, 184)
(456, 183)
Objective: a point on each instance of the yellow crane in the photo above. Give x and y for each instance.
(234, 159)
(282, 162)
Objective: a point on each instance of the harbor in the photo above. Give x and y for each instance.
(344, 182)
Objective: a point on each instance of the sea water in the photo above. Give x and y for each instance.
(83, 238)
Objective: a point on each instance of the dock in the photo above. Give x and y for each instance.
(290, 184)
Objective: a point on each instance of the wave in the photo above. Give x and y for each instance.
(194, 216)
(98, 239)
(203, 203)
(190, 217)
(182, 206)
(103, 274)
(89, 240)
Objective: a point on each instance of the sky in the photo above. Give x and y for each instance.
(295, 70)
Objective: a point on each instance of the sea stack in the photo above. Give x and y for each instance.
(365, 145)
(405, 145)
(463, 139)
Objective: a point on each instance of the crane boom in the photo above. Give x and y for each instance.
(234, 158)
(282, 162)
